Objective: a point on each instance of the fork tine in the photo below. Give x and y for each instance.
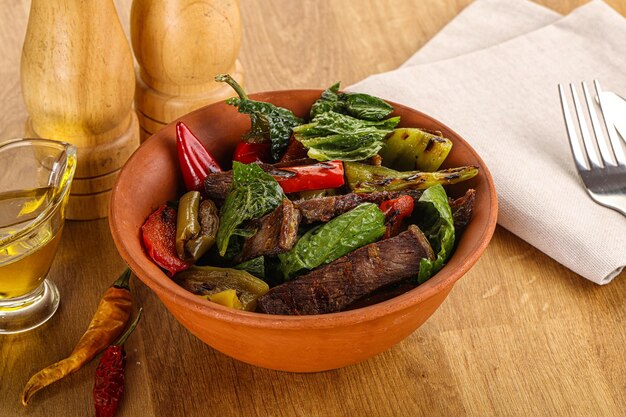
(605, 152)
(594, 159)
(577, 150)
(616, 145)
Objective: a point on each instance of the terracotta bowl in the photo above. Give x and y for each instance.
(289, 343)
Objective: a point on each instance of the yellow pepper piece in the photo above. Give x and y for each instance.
(227, 298)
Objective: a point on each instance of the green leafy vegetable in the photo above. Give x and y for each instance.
(363, 178)
(253, 194)
(361, 106)
(438, 226)
(255, 266)
(333, 135)
(269, 123)
(343, 234)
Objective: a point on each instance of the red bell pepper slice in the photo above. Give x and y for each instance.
(159, 238)
(195, 160)
(310, 177)
(249, 152)
(396, 210)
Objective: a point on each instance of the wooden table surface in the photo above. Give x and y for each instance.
(519, 335)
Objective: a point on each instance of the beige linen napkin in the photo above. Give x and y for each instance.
(504, 101)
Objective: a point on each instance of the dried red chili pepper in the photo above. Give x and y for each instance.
(249, 152)
(195, 160)
(396, 210)
(317, 176)
(159, 238)
(107, 323)
(110, 379)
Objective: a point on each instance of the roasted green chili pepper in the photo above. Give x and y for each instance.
(364, 178)
(187, 224)
(210, 280)
(196, 226)
(409, 149)
(209, 223)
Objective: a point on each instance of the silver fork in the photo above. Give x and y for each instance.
(603, 173)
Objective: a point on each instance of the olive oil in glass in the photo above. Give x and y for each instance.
(35, 177)
(25, 263)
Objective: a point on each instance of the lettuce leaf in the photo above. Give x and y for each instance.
(253, 194)
(343, 234)
(332, 135)
(438, 226)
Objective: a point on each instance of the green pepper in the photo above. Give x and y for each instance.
(187, 224)
(209, 280)
(209, 219)
(414, 149)
(196, 226)
(364, 178)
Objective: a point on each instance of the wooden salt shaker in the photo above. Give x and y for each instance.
(78, 85)
(180, 46)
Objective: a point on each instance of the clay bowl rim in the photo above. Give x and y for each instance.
(166, 288)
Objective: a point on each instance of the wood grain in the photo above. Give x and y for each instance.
(180, 47)
(519, 335)
(78, 81)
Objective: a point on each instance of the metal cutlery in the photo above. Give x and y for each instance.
(601, 163)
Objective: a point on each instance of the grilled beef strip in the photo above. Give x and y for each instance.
(277, 232)
(335, 286)
(462, 210)
(217, 184)
(325, 208)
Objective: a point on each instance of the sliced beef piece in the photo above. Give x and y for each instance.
(335, 286)
(277, 233)
(325, 208)
(217, 184)
(462, 209)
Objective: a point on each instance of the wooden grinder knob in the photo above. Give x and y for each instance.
(180, 46)
(78, 85)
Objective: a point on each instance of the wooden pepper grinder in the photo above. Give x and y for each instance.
(78, 85)
(180, 46)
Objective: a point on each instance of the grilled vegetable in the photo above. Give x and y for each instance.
(364, 178)
(343, 234)
(333, 135)
(253, 194)
(210, 280)
(435, 220)
(410, 149)
(310, 177)
(187, 224)
(246, 153)
(195, 160)
(270, 123)
(361, 106)
(395, 212)
(159, 238)
(196, 228)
